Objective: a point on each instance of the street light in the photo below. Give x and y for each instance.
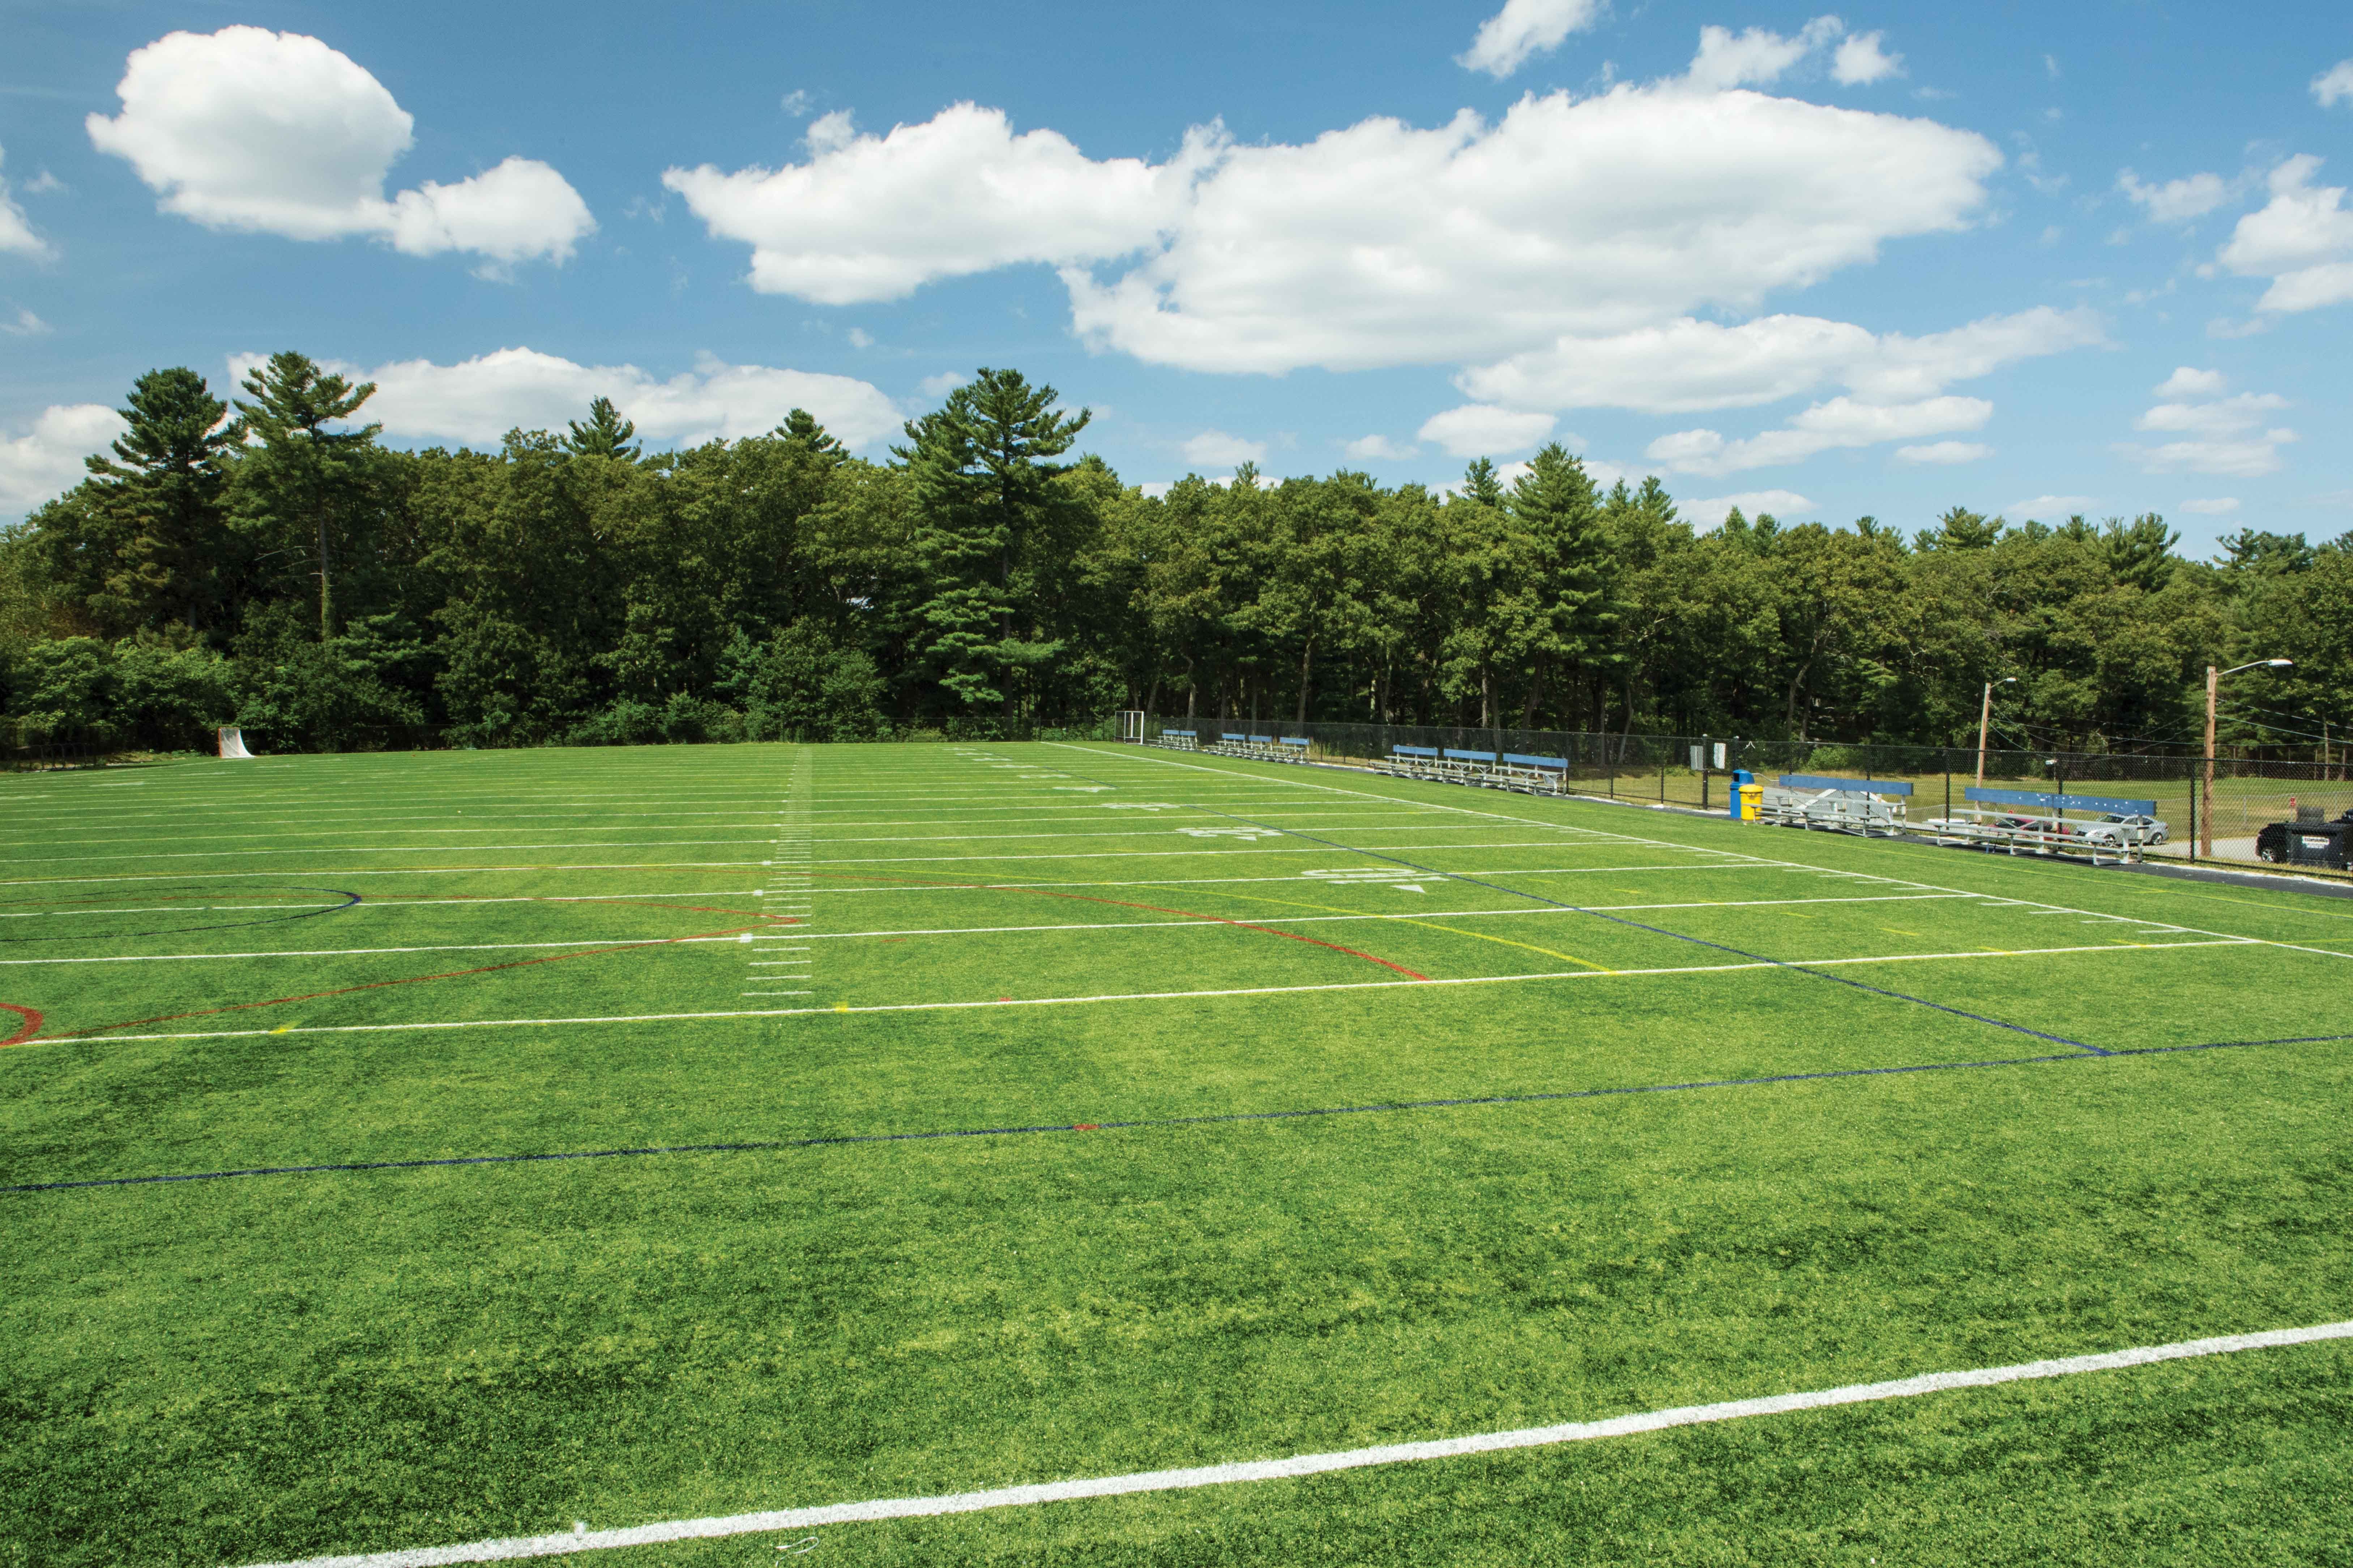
(1985, 718)
(2213, 682)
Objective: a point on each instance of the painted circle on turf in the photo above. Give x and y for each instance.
(118, 916)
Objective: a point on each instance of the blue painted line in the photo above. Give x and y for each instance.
(1383, 1106)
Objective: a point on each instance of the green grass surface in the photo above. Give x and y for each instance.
(337, 961)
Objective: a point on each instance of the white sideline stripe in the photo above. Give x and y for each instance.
(355, 952)
(391, 850)
(1150, 995)
(1300, 1465)
(1178, 854)
(1095, 751)
(905, 838)
(1737, 863)
(1204, 923)
(1293, 880)
(1262, 918)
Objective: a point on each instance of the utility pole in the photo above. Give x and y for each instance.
(1985, 720)
(2213, 686)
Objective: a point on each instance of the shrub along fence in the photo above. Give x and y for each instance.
(2249, 795)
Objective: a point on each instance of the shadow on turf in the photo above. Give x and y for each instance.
(1388, 1107)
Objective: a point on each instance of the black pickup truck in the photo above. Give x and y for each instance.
(2305, 843)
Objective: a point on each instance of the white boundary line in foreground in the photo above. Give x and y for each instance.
(1300, 1465)
(841, 1007)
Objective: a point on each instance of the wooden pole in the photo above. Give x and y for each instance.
(1985, 718)
(2206, 816)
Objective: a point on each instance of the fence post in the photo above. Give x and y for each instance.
(2193, 817)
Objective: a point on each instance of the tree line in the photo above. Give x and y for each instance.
(266, 559)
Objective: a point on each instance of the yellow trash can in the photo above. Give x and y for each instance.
(1751, 802)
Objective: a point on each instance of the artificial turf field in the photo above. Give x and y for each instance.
(1685, 1157)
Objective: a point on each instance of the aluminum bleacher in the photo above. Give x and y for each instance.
(1871, 808)
(2035, 822)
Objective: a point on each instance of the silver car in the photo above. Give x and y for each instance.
(2121, 829)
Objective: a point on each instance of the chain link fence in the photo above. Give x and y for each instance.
(2264, 810)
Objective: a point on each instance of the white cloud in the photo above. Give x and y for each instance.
(875, 218)
(17, 230)
(1756, 56)
(46, 461)
(2176, 201)
(1522, 28)
(479, 400)
(2333, 86)
(1944, 452)
(1478, 430)
(2051, 66)
(1378, 449)
(939, 386)
(26, 325)
(1710, 510)
(2053, 506)
(1216, 449)
(1860, 60)
(277, 132)
(2221, 435)
(1379, 244)
(2302, 239)
(1383, 244)
(1841, 421)
(2189, 382)
(1689, 365)
(795, 102)
(2216, 506)
(860, 338)
(2223, 417)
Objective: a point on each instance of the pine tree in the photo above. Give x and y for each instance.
(606, 433)
(304, 476)
(985, 497)
(802, 433)
(158, 504)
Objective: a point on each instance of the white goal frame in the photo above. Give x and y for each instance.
(232, 743)
(1131, 725)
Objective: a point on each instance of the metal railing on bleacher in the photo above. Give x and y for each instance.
(2259, 798)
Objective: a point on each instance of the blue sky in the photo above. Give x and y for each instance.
(2030, 259)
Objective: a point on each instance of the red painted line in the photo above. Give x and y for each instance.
(22, 1037)
(32, 1024)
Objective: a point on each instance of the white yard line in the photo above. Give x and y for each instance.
(1197, 922)
(388, 849)
(1150, 996)
(361, 951)
(1632, 838)
(1300, 1465)
(1175, 854)
(510, 827)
